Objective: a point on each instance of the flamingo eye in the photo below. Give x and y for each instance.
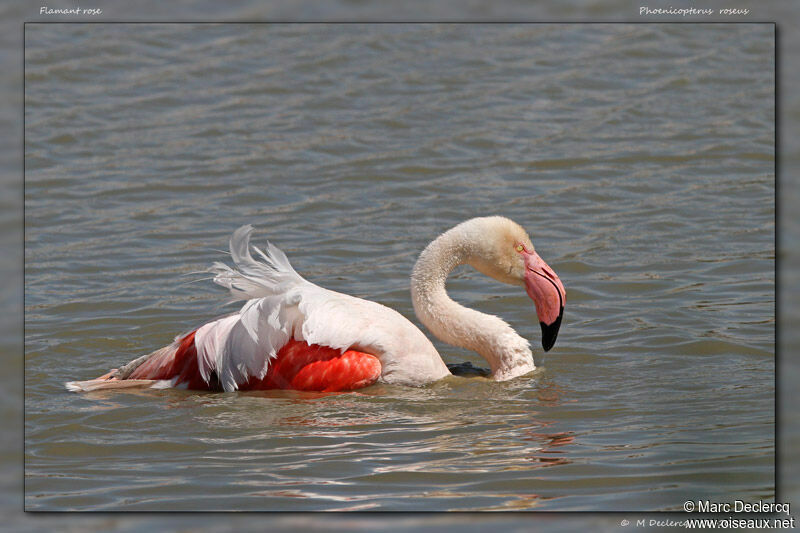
(520, 248)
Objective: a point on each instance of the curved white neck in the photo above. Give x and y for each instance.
(507, 353)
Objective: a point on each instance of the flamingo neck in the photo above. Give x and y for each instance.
(507, 353)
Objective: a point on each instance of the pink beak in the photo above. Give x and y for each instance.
(548, 295)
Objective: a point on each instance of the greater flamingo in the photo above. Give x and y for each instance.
(293, 334)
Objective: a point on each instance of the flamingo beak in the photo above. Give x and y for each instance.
(548, 295)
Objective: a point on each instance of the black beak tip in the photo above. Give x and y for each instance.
(550, 333)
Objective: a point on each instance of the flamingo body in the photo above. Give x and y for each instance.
(293, 334)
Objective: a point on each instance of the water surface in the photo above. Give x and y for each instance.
(639, 157)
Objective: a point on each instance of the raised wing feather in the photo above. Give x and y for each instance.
(251, 278)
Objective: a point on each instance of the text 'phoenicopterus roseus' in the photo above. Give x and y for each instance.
(293, 334)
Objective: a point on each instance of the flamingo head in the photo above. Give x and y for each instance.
(507, 254)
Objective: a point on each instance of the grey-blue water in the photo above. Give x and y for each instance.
(639, 157)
